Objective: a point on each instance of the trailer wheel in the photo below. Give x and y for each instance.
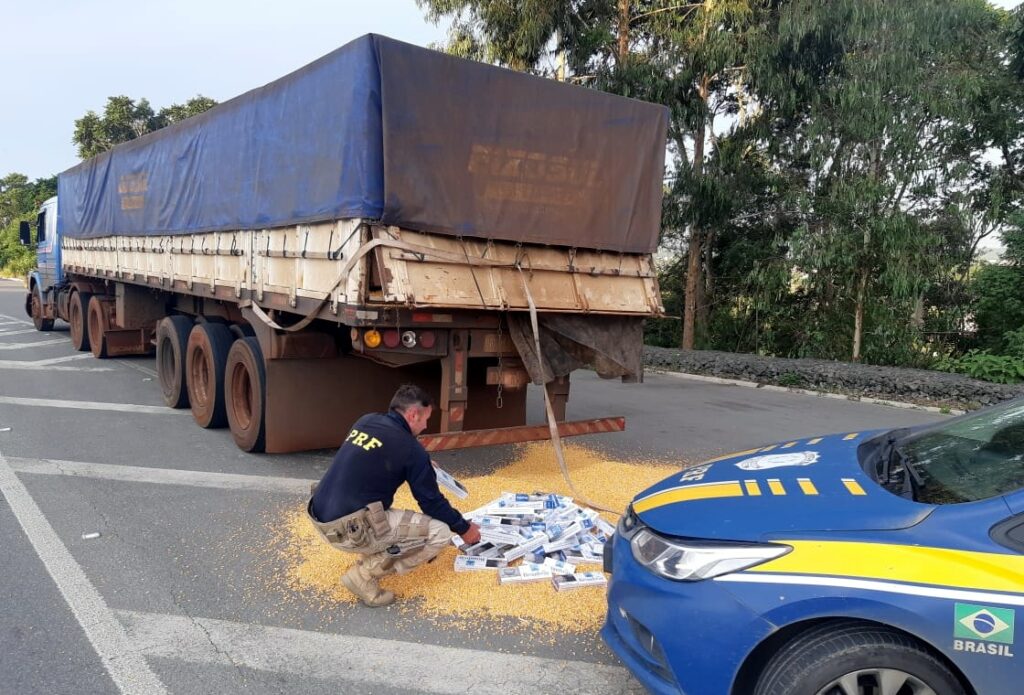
(245, 388)
(38, 321)
(171, 345)
(206, 358)
(97, 327)
(78, 310)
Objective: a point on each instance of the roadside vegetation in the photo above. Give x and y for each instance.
(833, 168)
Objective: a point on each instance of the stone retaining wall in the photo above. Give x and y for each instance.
(920, 386)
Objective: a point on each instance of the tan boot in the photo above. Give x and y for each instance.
(359, 582)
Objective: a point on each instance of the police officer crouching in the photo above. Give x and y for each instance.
(351, 506)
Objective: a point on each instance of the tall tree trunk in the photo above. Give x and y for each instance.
(623, 31)
(694, 252)
(694, 280)
(862, 287)
(917, 317)
(858, 314)
(707, 288)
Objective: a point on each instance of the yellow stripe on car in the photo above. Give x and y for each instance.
(753, 489)
(776, 486)
(852, 435)
(853, 487)
(688, 493)
(806, 486)
(901, 563)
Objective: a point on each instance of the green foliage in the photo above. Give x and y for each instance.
(981, 364)
(20, 200)
(125, 119)
(790, 380)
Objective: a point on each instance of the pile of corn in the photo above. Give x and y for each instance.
(313, 567)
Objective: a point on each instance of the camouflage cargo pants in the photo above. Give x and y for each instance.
(409, 540)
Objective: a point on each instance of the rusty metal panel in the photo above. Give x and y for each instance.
(515, 435)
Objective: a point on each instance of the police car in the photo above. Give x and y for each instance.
(876, 563)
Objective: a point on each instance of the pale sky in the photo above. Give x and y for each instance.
(60, 58)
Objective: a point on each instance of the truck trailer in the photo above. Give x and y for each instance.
(386, 214)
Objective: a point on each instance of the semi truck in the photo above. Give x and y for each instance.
(385, 214)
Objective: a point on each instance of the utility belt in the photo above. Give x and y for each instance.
(361, 528)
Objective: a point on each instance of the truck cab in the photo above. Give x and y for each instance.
(47, 274)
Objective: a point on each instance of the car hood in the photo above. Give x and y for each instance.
(787, 488)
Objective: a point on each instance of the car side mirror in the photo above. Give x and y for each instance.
(25, 233)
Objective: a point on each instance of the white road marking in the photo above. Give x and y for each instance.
(138, 367)
(11, 319)
(161, 476)
(38, 343)
(370, 660)
(20, 331)
(92, 405)
(48, 367)
(66, 358)
(125, 664)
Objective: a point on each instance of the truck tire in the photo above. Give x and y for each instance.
(38, 321)
(78, 311)
(96, 322)
(245, 388)
(171, 345)
(855, 658)
(206, 358)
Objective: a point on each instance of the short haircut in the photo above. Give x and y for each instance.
(409, 395)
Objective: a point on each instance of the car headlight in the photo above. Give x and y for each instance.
(690, 561)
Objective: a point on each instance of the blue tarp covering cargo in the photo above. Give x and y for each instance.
(388, 131)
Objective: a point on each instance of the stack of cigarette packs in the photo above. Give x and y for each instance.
(548, 533)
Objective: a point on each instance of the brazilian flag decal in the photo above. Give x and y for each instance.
(983, 623)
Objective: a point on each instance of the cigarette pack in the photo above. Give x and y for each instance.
(565, 532)
(564, 582)
(527, 572)
(559, 566)
(464, 563)
(477, 548)
(526, 548)
(447, 481)
(566, 541)
(511, 509)
(605, 528)
(499, 536)
(574, 555)
(504, 521)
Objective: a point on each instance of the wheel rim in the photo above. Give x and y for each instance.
(167, 369)
(76, 321)
(877, 681)
(241, 396)
(37, 308)
(199, 376)
(95, 331)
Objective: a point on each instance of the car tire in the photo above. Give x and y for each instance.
(853, 658)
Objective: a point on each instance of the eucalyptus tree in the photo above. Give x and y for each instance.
(869, 108)
(125, 119)
(689, 56)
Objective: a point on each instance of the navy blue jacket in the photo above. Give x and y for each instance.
(379, 455)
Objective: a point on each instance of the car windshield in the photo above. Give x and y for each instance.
(973, 457)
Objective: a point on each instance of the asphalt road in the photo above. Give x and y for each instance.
(174, 593)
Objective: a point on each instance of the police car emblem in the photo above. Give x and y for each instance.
(760, 463)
